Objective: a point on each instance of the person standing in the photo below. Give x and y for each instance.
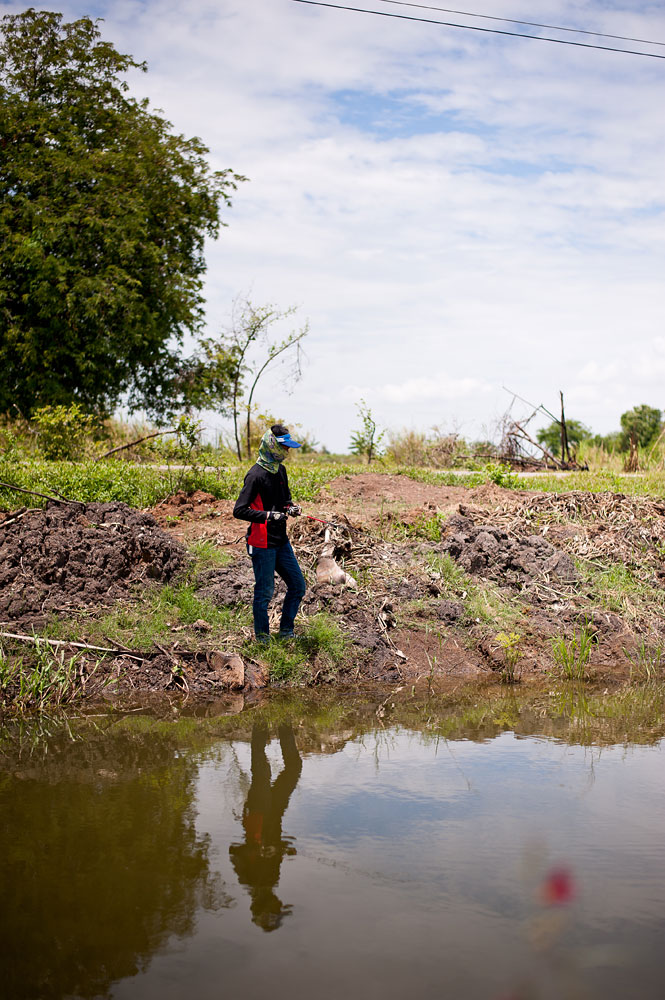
(265, 501)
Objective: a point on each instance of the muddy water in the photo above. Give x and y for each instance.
(293, 858)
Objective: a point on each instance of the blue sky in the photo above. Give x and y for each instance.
(452, 212)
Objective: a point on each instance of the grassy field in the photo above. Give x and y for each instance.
(145, 485)
(140, 485)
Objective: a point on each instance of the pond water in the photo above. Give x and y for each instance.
(281, 856)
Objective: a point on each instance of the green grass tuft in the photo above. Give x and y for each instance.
(43, 678)
(320, 648)
(647, 661)
(572, 655)
(208, 553)
(426, 526)
(140, 624)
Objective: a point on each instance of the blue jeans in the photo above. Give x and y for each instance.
(266, 563)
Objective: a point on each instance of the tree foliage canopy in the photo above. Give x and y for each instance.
(103, 216)
(642, 422)
(550, 436)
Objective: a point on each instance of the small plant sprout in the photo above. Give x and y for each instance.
(572, 655)
(646, 661)
(367, 440)
(510, 643)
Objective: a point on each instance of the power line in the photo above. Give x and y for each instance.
(530, 24)
(475, 27)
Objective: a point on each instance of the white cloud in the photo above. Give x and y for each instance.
(440, 387)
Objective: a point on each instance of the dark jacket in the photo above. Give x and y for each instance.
(262, 492)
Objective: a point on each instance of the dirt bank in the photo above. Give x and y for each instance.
(451, 582)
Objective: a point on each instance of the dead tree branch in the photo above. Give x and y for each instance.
(36, 639)
(131, 444)
(34, 493)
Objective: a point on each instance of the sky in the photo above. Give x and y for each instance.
(452, 212)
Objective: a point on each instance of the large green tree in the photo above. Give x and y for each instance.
(103, 215)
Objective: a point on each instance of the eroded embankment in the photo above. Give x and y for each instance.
(449, 582)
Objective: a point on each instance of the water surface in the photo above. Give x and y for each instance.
(292, 858)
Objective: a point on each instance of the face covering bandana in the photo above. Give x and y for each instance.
(271, 452)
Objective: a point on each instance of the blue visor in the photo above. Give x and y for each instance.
(287, 441)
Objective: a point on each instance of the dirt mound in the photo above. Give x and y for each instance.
(198, 516)
(488, 551)
(228, 585)
(369, 494)
(72, 555)
(188, 500)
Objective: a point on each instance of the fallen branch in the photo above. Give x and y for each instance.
(64, 642)
(166, 652)
(545, 452)
(146, 437)
(44, 496)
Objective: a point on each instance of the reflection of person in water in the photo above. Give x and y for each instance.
(257, 862)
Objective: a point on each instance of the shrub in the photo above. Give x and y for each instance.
(502, 475)
(367, 440)
(62, 431)
(408, 447)
(510, 643)
(438, 449)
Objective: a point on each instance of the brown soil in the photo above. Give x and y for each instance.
(513, 560)
(70, 556)
(199, 515)
(404, 623)
(366, 497)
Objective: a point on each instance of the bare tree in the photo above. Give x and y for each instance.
(240, 357)
(274, 351)
(251, 326)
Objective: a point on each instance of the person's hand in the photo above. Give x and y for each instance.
(294, 510)
(275, 515)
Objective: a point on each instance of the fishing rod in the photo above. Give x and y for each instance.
(331, 524)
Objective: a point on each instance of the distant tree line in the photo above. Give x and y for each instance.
(642, 424)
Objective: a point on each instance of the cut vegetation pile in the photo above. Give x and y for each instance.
(69, 556)
(601, 526)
